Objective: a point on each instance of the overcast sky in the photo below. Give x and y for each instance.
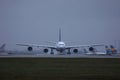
(33, 21)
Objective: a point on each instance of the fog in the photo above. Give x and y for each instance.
(36, 21)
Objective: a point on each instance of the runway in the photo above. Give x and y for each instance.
(60, 56)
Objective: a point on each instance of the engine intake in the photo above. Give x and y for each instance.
(91, 49)
(75, 50)
(45, 50)
(30, 48)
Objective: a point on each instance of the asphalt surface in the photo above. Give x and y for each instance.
(60, 56)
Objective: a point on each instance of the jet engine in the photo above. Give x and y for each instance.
(75, 50)
(29, 48)
(45, 50)
(91, 49)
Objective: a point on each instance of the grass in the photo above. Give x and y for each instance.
(59, 68)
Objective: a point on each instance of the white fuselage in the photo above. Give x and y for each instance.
(60, 46)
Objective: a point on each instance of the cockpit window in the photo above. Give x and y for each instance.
(61, 44)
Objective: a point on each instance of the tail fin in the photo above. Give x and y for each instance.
(2, 47)
(59, 34)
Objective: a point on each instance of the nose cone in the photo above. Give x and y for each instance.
(60, 44)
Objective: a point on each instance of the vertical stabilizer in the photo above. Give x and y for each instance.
(3, 46)
(59, 34)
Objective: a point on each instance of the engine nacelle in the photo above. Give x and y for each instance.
(91, 49)
(75, 50)
(29, 48)
(45, 50)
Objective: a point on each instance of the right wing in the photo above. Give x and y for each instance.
(34, 45)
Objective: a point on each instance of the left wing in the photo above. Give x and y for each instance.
(79, 46)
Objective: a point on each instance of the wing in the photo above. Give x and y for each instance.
(34, 45)
(80, 46)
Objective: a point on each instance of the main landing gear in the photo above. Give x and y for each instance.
(68, 51)
(52, 52)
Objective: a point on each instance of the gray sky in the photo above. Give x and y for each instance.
(33, 21)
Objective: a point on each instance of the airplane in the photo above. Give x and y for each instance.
(2, 48)
(3, 51)
(60, 46)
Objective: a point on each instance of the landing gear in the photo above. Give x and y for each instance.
(68, 51)
(52, 51)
